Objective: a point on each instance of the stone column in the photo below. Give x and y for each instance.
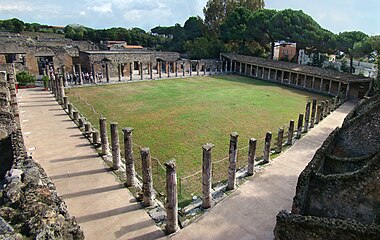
(313, 112)
(80, 122)
(65, 102)
(176, 69)
(183, 69)
(119, 71)
(151, 70)
(205, 69)
(348, 90)
(319, 114)
(307, 116)
(75, 115)
(313, 83)
(171, 203)
(322, 110)
(269, 74)
(321, 85)
(87, 129)
(159, 69)
(206, 175)
(198, 65)
(232, 161)
(64, 74)
(73, 69)
(257, 71)
(80, 74)
(115, 146)
(225, 67)
(129, 160)
(103, 136)
(211, 67)
(231, 66)
(107, 73)
(330, 85)
(93, 72)
(95, 138)
(299, 126)
(61, 89)
(290, 132)
(326, 109)
(141, 71)
(282, 76)
(267, 148)
(251, 155)
(147, 177)
(191, 69)
(280, 138)
(339, 88)
(168, 68)
(70, 110)
(130, 72)
(297, 79)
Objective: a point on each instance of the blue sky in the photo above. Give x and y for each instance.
(335, 15)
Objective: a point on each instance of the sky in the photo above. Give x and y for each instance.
(334, 15)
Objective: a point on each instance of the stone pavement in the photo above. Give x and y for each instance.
(250, 212)
(102, 206)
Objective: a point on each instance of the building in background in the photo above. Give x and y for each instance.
(284, 51)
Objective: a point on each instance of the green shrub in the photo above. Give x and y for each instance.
(45, 79)
(25, 79)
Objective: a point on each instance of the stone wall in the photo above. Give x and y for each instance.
(30, 47)
(338, 193)
(30, 207)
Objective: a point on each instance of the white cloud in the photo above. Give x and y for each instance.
(16, 7)
(105, 8)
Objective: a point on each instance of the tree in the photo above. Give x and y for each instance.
(344, 67)
(346, 41)
(259, 25)
(203, 47)
(216, 11)
(375, 44)
(12, 25)
(235, 26)
(194, 28)
(296, 26)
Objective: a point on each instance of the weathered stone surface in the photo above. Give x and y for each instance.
(338, 193)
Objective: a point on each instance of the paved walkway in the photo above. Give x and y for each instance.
(250, 212)
(102, 206)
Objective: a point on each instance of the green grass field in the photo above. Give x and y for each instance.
(175, 117)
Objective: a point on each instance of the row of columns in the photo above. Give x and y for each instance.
(298, 83)
(77, 68)
(313, 114)
(100, 139)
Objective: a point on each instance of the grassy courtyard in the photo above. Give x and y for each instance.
(175, 117)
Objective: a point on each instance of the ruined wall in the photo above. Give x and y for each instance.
(32, 46)
(338, 193)
(30, 207)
